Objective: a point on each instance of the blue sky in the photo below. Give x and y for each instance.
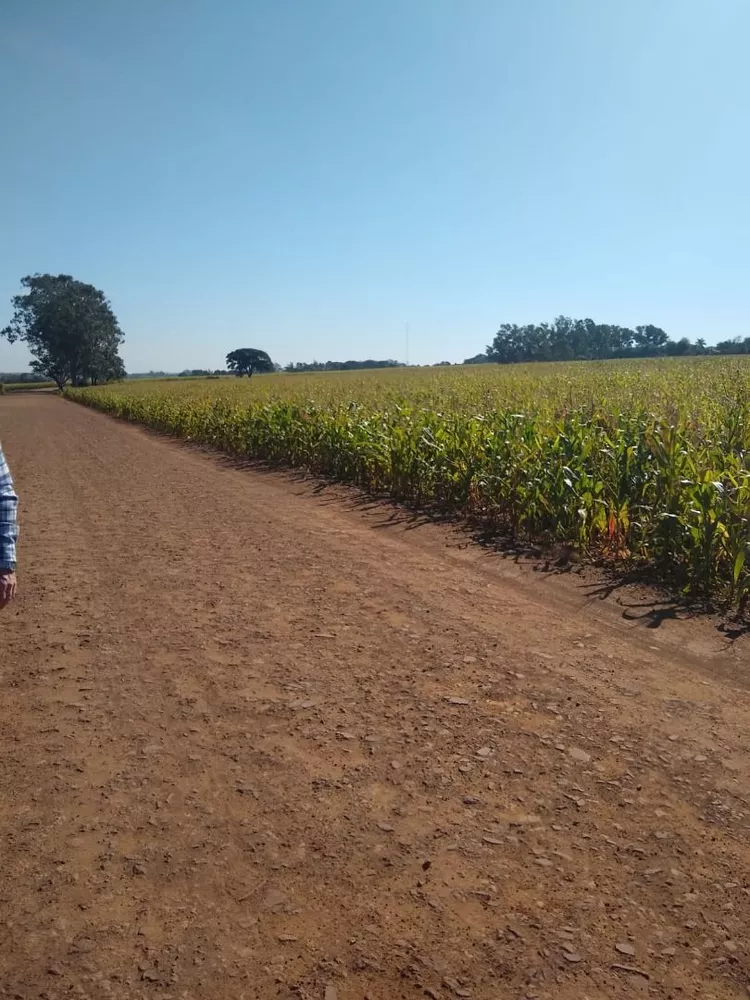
(309, 176)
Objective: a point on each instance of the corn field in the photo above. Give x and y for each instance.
(639, 463)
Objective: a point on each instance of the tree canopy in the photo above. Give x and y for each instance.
(736, 346)
(340, 366)
(567, 339)
(69, 328)
(247, 360)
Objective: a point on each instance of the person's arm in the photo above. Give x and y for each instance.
(8, 533)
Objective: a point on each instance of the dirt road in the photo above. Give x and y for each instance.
(257, 743)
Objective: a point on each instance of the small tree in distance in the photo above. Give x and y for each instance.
(246, 360)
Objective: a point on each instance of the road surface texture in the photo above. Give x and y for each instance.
(260, 743)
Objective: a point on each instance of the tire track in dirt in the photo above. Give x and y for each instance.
(256, 746)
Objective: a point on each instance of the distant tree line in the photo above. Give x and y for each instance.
(22, 378)
(739, 345)
(340, 366)
(568, 339)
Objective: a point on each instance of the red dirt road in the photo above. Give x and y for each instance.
(259, 744)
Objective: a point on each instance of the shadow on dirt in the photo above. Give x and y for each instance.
(646, 599)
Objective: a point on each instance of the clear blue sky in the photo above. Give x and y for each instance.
(308, 176)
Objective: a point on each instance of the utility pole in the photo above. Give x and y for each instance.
(407, 345)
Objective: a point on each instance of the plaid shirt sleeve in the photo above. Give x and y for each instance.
(8, 522)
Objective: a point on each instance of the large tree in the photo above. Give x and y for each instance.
(70, 329)
(246, 360)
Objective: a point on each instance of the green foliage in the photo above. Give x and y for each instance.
(21, 378)
(27, 386)
(740, 345)
(580, 339)
(638, 463)
(70, 329)
(247, 360)
(340, 366)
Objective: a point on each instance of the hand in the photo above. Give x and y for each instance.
(7, 587)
